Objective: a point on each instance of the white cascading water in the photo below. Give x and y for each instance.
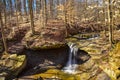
(71, 64)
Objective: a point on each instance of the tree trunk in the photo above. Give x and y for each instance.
(104, 11)
(3, 34)
(31, 16)
(58, 2)
(85, 9)
(51, 8)
(17, 23)
(25, 11)
(65, 13)
(11, 9)
(5, 13)
(45, 12)
(110, 23)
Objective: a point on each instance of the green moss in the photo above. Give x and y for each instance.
(54, 73)
(113, 63)
(71, 39)
(49, 46)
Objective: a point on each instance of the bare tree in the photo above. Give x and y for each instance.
(51, 8)
(3, 33)
(5, 13)
(31, 16)
(16, 7)
(105, 17)
(45, 12)
(25, 11)
(110, 22)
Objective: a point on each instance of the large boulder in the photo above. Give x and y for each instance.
(47, 39)
(11, 65)
(39, 61)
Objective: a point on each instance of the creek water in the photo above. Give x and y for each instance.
(71, 63)
(71, 66)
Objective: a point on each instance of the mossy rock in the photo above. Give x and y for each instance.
(48, 46)
(37, 42)
(112, 67)
(12, 65)
(57, 74)
(71, 39)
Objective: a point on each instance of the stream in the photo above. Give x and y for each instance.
(69, 63)
(72, 63)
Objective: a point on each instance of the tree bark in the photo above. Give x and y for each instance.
(51, 8)
(110, 23)
(5, 13)
(45, 12)
(104, 11)
(31, 16)
(11, 9)
(17, 19)
(3, 34)
(25, 11)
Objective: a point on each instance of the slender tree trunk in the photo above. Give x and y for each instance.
(31, 16)
(41, 14)
(11, 9)
(16, 14)
(45, 11)
(110, 23)
(58, 2)
(51, 8)
(98, 12)
(10, 15)
(104, 10)
(65, 12)
(112, 20)
(3, 34)
(5, 13)
(85, 9)
(65, 16)
(40, 4)
(25, 11)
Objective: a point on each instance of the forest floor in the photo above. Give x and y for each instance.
(56, 34)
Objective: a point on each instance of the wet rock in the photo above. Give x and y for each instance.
(86, 65)
(17, 48)
(102, 76)
(41, 60)
(96, 47)
(82, 56)
(11, 65)
(90, 71)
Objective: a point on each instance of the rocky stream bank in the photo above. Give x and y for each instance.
(43, 55)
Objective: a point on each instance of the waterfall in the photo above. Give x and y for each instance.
(71, 64)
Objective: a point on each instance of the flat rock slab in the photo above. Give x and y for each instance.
(16, 48)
